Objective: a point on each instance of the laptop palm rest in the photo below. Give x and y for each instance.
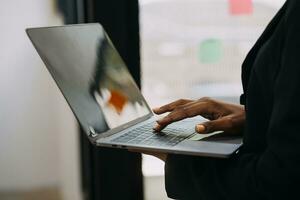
(219, 149)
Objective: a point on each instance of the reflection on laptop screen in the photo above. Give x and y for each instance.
(91, 75)
(114, 89)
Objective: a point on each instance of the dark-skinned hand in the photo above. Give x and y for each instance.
(222, 116)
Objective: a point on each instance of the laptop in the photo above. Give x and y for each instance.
(107, 102)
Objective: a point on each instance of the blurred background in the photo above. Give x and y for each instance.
(188, 49)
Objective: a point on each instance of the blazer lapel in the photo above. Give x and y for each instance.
(250, 58)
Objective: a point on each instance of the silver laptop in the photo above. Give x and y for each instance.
(105, 99)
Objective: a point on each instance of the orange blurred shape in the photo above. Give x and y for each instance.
(117, 100)
(240, 7)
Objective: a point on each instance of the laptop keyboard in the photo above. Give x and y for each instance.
(146, 136)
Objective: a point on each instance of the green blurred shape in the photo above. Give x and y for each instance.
(210, 51)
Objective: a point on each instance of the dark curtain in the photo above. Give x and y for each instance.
(110, 173)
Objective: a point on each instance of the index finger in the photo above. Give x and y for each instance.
(180, 114)
(171, 106)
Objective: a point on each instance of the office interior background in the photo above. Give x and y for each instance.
(189, 49)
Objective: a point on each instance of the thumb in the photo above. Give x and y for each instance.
(221, 124)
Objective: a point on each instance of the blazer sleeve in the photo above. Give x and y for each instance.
(273, 174)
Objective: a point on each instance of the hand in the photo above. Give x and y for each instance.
(226, 117)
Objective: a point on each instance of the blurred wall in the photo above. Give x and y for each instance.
(38, 141)
(275, 3)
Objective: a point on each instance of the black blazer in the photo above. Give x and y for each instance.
(268, 165)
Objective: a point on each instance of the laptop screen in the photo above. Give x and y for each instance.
(91, 75)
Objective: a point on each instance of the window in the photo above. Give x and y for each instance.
(195, 48)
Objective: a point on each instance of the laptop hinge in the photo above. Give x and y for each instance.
(95, 135)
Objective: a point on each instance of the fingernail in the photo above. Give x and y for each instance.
(155, 109)
(200, 128)
(159, 121)
(156, 127)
